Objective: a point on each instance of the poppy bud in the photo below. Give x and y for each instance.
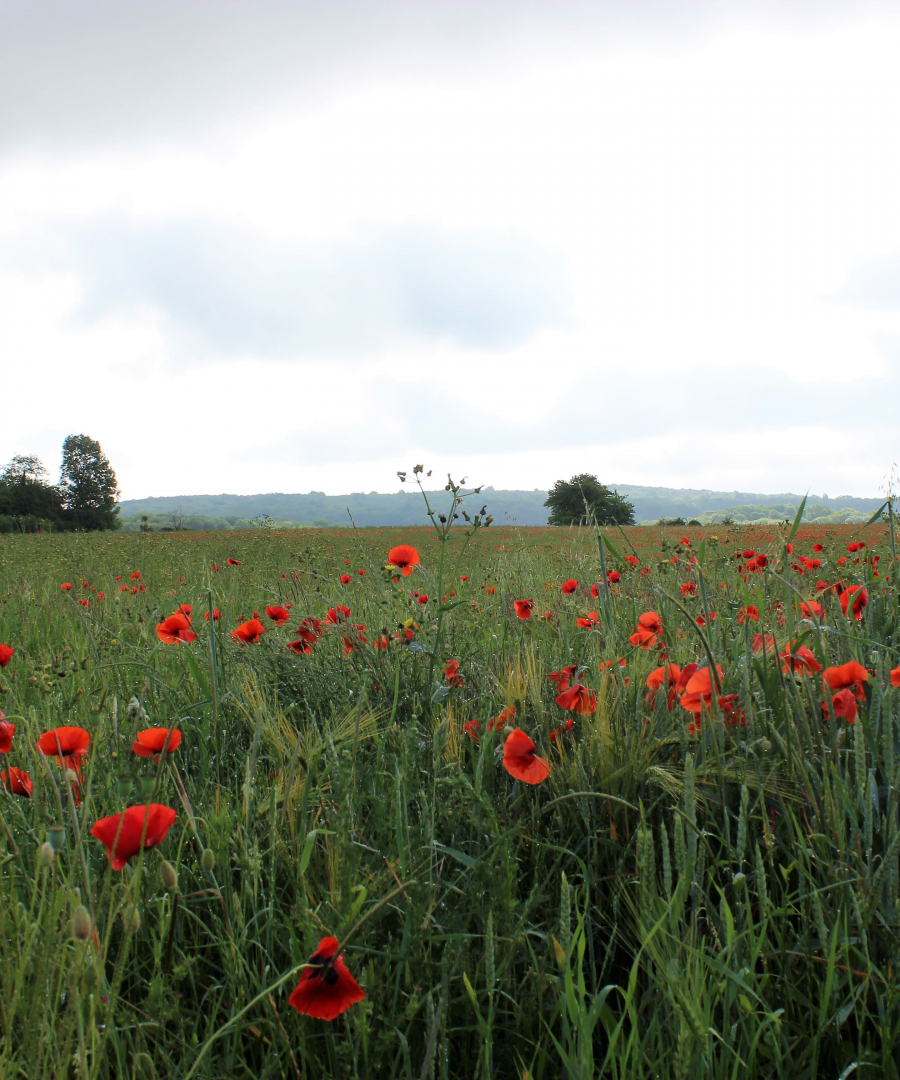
(168, 875)
(47, 853)
(123, 786)
(81, 923)
(90, 977)
(207, 861)
(765, 745)
(56, 834)
(148, 786)
(132, 919)
(71, 776)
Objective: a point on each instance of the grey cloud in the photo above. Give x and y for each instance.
(98, 71)
(243, 293)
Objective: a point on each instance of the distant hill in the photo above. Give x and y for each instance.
(405, 507)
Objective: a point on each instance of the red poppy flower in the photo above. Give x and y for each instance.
(845, 676)
(125, 834)
(17, 782)
(860, 597)
(176, 628)
(569, 586)
(405, 556)
(567, 726)
(505, 717)
(470, 727)
(844, 705)
(84, 603)
(632, 560)
(750, 613)
(249, 632)
(310, 630)
(648, 630)
(701, 621)
(326, 987)
(677, 679)
(136, 576)
(799, 659)
(698, 690)
(612, 576)
(589, 621)
(233, 562)
(523, 608)
(346, 579)
(216, 614)
(184, 609)
(856, 547)
(299, 647)
(423, 599)
(450, 672)
(895, 677)
(337, 614)
(6, 736)
(578, 698)
(152, 741)
(764, 641)
(818, 547)
(278, 615)
(66, 586)
(6, 654)
(689, 588)
(564, 677)
(490, 589)
(810, 609)
(69, 743)
(520, 760)
(214, 568)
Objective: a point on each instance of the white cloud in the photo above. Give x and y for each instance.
(665, 260)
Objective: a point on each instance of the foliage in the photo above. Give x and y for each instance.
(88, 484)
(668, 903)
(584, 500)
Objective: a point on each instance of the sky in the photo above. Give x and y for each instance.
(270, 246)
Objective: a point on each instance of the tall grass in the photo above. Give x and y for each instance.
(722, 904)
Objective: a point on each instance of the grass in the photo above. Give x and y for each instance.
(722, 903)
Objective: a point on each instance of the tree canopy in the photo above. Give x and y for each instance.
(584, 500)
(85, 497)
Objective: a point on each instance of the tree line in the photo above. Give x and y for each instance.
(84, 498)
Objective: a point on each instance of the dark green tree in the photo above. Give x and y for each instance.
(88, 484)
(584, 500)
(27, 501)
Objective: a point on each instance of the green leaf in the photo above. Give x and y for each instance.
(877, 513)
(608, 544)
(798, 518)
(199, 675)
(460, 856)
(306, 854)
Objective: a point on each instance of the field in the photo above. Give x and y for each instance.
(702, 883)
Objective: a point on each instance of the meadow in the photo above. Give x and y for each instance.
(573, 803)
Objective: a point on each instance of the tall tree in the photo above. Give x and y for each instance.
(26, 499)
(88, 484)
(584, 500)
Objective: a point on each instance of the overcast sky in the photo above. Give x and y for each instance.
(281, 246)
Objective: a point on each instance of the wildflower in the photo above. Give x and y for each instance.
(564, 677)
(860, 596)
(17, 782)
(176, 628)
(85, 603)
(183, 609)
(810, 609)
(844, 705)
(346, 579)
(66, 586)
(672, 675)
(423, 599)
(523, 608)
(136, 576)
(490, 589)
(895, 677)
(214, 569)
(68, 744)
(520, 760)
(337, 614)
(589, 621)
(233, 562)
(569, 586)
(612, 576)
(6, 736)
(567, 726)
(818, 547)
(577, 698)
(632, 560)
(278, 615)
(450, 672)
(405, 557)
(750, 613)
(326, 987)
(799, 659)
(648, 630)
(152, 741)
(846, 676)
(701, 620)
(689, 588)
(216, 615)
(137, 828)
(299, 646)
(248, 633)
(698, 689)
(763, 641)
